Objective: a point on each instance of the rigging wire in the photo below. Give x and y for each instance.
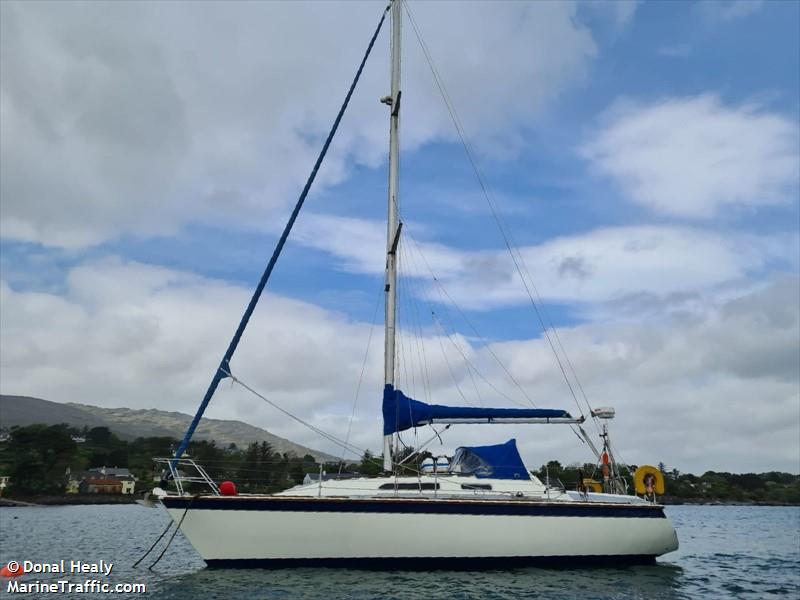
(452, 373)
(555, 333)
(420, 338)
(453, 333)
(405, 327)
(349, 447)
(444, 293)
(402, 370)
(481, 375)
(413, 294)
(361, 376)
(470, 365)
(467, 364)
(328, 436)
(489, 197)
(404, 294)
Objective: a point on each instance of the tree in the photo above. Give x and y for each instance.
(370, 465)
(208, 455)
(40, 455)
(259, 466)
(118, 457)
(99, 458)
(551, 470)
(100, 436)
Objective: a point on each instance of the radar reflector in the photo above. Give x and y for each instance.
(604, 412)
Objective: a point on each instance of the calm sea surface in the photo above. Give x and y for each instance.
(726, 552)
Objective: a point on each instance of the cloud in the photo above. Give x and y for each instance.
(676, 50)
(684, 385)
(729, 10)
(360, 245)
(129, 334)
(611, 264)
(140, 117)
(624, 11)
(621, 12)
(604, 265)
(695, 157)
(691, 381)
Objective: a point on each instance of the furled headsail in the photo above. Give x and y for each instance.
(401, 412)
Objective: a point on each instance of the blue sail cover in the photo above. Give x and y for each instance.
(401, 412)
(501, 461)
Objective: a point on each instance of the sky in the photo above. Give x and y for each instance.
(643, 157)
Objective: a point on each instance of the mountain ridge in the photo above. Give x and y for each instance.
(130, 423)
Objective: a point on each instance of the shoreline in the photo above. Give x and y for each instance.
(71, 500)
(715, 502)
(96, 499)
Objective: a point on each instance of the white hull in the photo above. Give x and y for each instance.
(268, 531)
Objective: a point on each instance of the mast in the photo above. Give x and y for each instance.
(393, 224)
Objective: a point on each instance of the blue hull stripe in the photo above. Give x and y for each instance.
(435, 507)
(454, 563)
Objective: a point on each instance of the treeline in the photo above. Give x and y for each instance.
(752, 488)
(772, 487)
(40, 458)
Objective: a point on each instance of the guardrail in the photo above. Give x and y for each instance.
(183, 471)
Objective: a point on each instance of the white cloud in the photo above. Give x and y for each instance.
(624, 11)
(360, 245)
(620, 12)
(607, 264)
(695, 157)
(141, 117)
(690, 382)
(127, 334)
(611, 264)
(676, 50)
(729, 10)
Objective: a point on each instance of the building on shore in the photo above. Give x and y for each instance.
(101, 480)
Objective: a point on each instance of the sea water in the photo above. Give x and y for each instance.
(726, 552)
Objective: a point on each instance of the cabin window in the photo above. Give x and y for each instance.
(410, 486)
(476, 486)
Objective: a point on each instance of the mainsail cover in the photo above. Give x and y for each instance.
(401, 412)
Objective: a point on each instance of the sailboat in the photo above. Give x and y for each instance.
(482, 508)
